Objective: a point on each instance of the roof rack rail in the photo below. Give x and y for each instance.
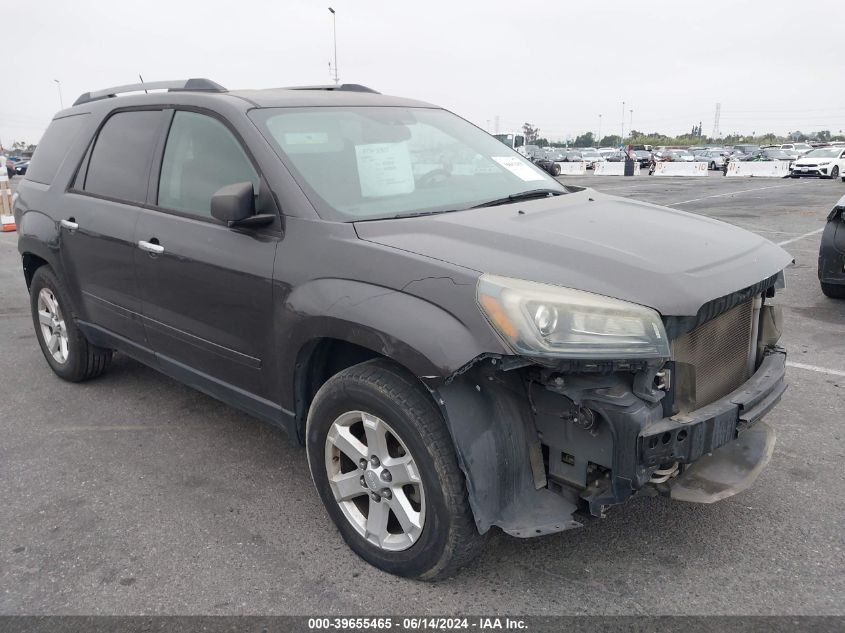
(343, 87)
(195, 84)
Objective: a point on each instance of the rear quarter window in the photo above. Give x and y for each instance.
(53, 147)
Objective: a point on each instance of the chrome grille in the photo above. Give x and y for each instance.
(712, 360)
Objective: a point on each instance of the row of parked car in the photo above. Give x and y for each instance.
(14, 165)
(804, 160)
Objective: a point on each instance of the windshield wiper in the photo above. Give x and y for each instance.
(416, 214)
(525, 195)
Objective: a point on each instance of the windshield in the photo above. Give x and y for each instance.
(589, 152)
(828, 152)
(365, 163)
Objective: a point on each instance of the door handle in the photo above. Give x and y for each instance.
(70, 225)
(151, 247)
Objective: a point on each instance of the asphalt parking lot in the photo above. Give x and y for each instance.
(133, 494)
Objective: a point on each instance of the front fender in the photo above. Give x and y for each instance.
(423, 337)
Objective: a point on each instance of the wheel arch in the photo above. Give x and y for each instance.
(31, 262)
(340, 321)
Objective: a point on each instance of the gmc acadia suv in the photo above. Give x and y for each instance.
(458, 340)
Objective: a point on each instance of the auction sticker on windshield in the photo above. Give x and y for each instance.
(518, 168)
(384, 169)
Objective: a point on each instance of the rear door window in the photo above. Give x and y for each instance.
(53, 147)
(200, 157)
(119, 166)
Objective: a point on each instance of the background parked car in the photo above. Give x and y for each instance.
(778, 154)
(643, 157)
(591, 156)
(21, 166)
(832, 253)
(545, 160)
(571, 156)
(533, 151)
(615, 157)
(824, 162)
(747, 149)
(715, 158)
(800, 148)
(676, 155)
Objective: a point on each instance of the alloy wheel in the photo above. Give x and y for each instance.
(53, 327)
(375, 480)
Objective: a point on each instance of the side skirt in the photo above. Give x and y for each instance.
(229, 394)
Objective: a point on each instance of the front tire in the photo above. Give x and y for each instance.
(65, 348)
(834, 291)
(834, 173)
(385, 467)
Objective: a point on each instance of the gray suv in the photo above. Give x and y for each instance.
(459, 341)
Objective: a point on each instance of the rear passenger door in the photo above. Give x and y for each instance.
(97, 222)
(206, 289)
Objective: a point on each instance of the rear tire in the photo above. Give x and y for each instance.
(65, 348)
(834, 291)
(556, 170)
(374, 400)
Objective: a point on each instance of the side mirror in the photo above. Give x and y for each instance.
(234, 206)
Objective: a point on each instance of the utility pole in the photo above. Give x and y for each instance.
(631, 124)
(59, 86)
(334, 31)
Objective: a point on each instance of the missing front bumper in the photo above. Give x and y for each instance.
(728, 470)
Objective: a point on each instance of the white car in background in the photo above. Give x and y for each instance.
(824, 162)
(591, 157)
(801, 148)
(715, 158)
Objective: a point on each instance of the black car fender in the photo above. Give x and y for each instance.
(38, 237)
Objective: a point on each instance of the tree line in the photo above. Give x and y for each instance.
(695, 137)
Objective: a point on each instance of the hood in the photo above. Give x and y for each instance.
(669, 260)
(813, 160)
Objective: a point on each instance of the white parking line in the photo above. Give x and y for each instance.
(731, 193)
(800, 237)
(821, 370)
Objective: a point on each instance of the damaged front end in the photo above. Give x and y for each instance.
(546, 443)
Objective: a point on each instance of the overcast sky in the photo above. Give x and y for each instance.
(554, 63)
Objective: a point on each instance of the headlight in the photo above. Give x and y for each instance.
(824, 162)
(544, 320)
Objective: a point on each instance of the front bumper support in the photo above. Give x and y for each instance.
(494, 418)
(728, 470)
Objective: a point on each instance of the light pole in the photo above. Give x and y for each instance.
(598, 140)
(59, 86)
(334, 31)
(631, 124)
(623, 122)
